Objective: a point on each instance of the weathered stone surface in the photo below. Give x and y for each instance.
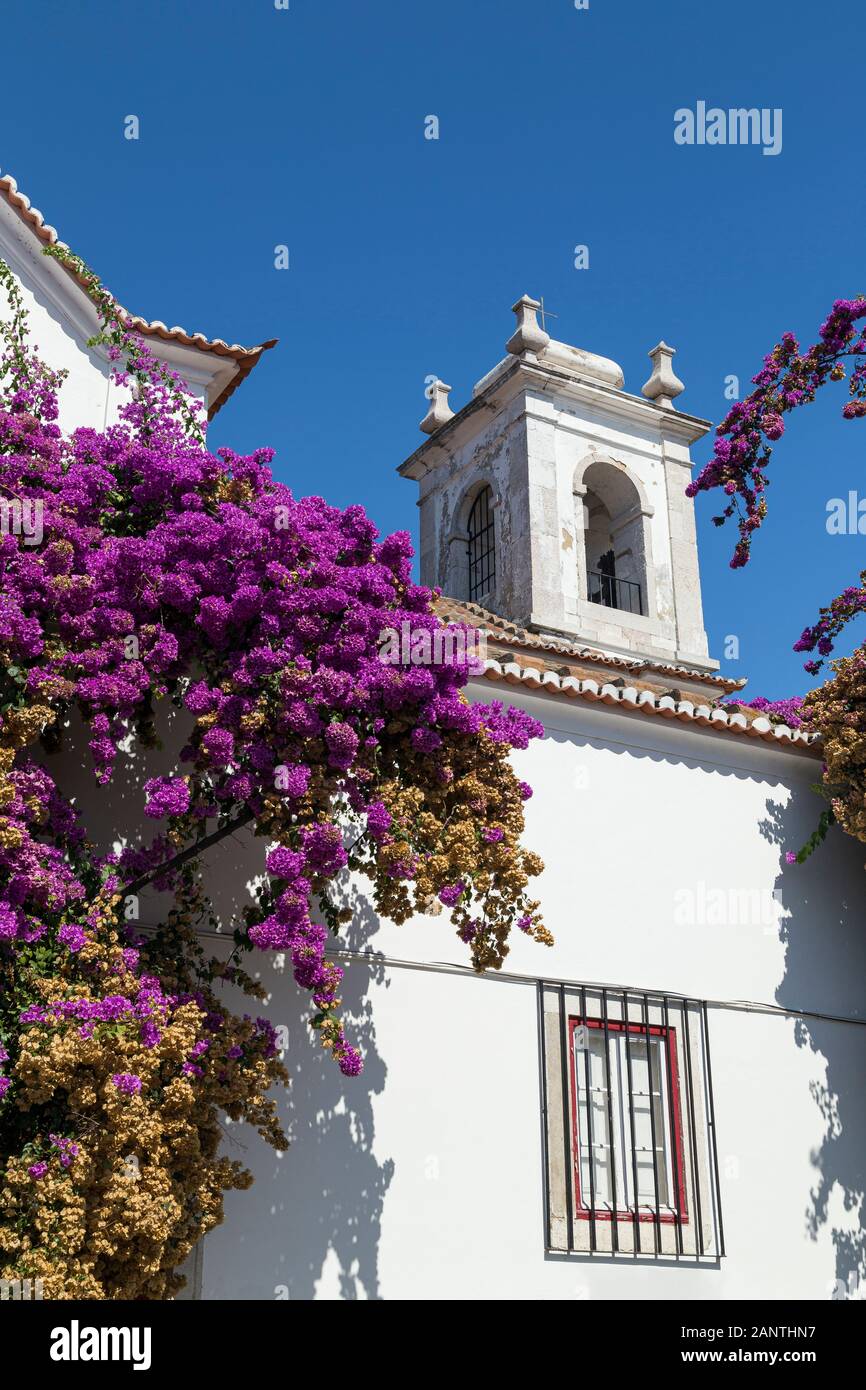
(579, 470)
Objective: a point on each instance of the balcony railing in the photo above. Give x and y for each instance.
(615, 593)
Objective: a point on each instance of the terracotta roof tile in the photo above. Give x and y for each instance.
(501, 630)
(750, 724)
(563, 668)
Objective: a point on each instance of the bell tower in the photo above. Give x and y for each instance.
(555, 499)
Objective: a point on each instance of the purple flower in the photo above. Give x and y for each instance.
(284, 863)
(789, 711)
(66, 1149)
(126, 1082)
(149, 1033)
(10, 921)
(426, 740)
(378, 819)
(72, 936)
(342, 742)
(38, 1170)
(166, 796)
(267, 631)
(451, 894)
(293, 780)
(350, 1062)
(219, 746)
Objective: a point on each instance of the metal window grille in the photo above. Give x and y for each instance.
(630, 1163)
(482, 546)
(615, 593)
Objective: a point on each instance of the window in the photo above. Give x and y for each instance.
(614, 526)
(482, 547)
(628, 1150)
(629, 1143)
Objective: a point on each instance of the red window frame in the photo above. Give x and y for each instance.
(583, 1211)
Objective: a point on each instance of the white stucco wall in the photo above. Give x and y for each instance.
(61, 319)
(59, 325)
(423, 1179)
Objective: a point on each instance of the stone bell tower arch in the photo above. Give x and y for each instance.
(589, 533)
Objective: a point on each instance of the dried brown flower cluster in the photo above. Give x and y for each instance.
(837, 711)
(168, 572)
(458, 818)
(116, 1170)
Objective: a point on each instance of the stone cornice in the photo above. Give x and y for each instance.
(527, 374)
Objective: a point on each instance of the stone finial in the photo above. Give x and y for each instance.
(527, 337)
(440, 411)
(664, 383)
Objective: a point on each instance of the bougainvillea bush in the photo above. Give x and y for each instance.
(169, 574)
(836, 711)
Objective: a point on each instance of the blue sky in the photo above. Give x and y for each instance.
(305, 127)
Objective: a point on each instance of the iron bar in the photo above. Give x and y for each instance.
(636, 1236)
(674, 1081)
(606, 589)
(545, 1148)
(657, 1212)
(592, 1233)
(566, 1135)
(675, 1160)
(614, 1225)
(712, 1128)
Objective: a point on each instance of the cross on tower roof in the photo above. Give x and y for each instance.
(545, 312)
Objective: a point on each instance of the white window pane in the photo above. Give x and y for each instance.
(638, 1133)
